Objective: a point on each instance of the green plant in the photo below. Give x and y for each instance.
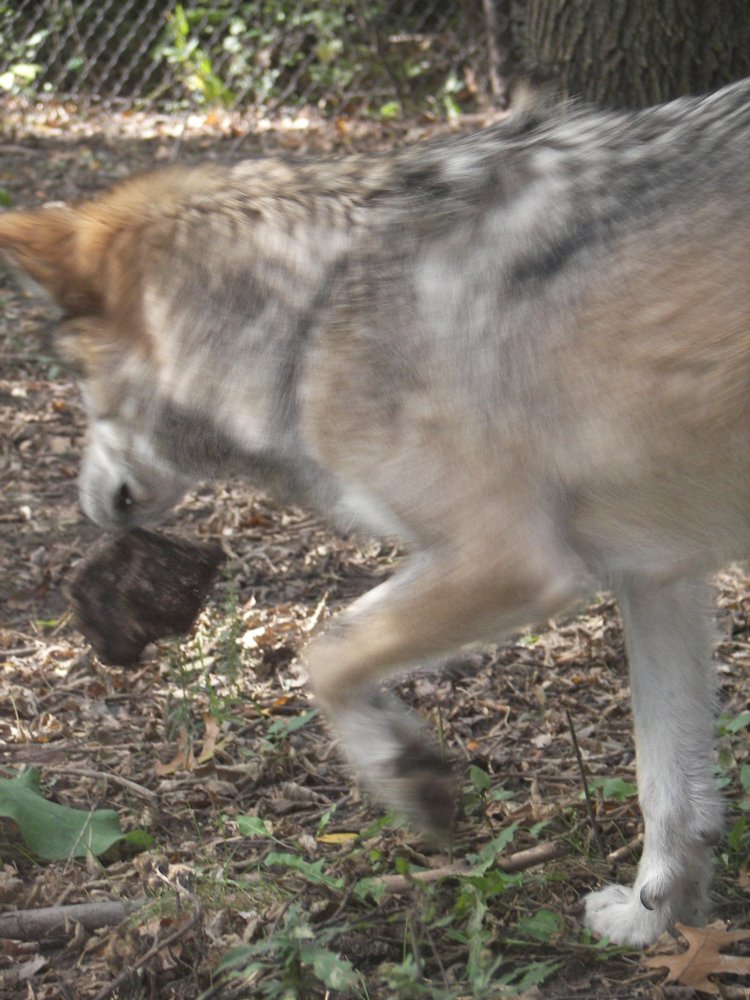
(612, 789)
(288, 963)
(490, 971)
(729, 771)
(206, 684)
(20, 55)
(478, 792)
(182, 49)
(728, 726)
(490, 966)
(311, 871)
(314, 52)
(282, 728)
(475, 792)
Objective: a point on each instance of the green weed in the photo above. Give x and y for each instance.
(202, 684)
(287, 964)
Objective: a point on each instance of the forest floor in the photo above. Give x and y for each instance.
(246, 834)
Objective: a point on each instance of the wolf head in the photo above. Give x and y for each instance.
(91, 260)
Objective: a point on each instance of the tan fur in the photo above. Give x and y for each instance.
(525, 353)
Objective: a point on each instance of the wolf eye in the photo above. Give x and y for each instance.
(124, 499)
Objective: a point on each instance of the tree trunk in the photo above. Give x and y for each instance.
(631, 53)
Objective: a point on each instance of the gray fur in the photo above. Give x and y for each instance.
(525, 353)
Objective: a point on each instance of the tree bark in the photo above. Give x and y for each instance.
(631, 53)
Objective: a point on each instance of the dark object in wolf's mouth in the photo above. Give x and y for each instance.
(140, 587)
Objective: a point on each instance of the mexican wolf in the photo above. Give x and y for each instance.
(525, 353)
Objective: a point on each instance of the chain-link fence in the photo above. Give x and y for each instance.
(338, 55)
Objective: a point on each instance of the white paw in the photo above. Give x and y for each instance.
(616, 912)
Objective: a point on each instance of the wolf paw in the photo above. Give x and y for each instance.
(616, 912)
(394, 755)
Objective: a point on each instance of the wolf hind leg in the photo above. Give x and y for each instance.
(668, 639)
(432, 605)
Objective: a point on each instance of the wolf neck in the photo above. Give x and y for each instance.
(201, 448)
(227, 362)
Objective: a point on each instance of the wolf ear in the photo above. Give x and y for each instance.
(45, 244)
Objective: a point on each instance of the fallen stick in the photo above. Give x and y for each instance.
(517, 862)
(522, 860)
(32, 925)
(626, 851)
(133, 969)
(86, 772)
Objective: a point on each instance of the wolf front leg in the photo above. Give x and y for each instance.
(668, 640)
(434, 604)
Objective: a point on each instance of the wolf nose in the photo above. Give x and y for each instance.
(124, 499)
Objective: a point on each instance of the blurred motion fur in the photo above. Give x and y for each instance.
(524, 352)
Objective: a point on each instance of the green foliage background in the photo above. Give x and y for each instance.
(338, 55)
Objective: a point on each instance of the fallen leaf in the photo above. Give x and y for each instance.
(52, 831)
(337, 838)
(27, 970)
(210, 738)
(703, 957)
(183, 760)
(280, 701)
(58, 445)
(542, 740)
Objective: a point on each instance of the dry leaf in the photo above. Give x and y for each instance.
(28, 969)
(58, 445)
(185, 759)
(703, 957)
(211, 742)
(182, 761)
(280, 701)
(211, 735)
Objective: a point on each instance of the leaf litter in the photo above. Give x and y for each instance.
(258, 837)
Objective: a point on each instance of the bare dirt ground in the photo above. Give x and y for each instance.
(253, 834)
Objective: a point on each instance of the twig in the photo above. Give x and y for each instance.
(32, 925)
(498, 85)
(9, 147)
(145, 959)
(372, 26)
(522, 860)
(586, 792)
(85, 772)
(626, 850)
(436, 956)
(416, 951)
(517, 862)
(177, 148)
